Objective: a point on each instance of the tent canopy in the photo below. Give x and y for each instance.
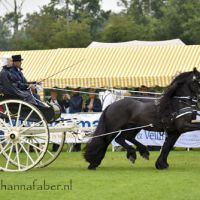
(109, 67)
(135, 43)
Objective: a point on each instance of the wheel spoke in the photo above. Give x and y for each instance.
(17, 155)
(8, 113)
(24, 122)
(33, 145)
(20, 149)
(31, 127)
(3, 149)
(28, 150)
(18, 114)
(8, 159)
(5, 124)
(2, 141)
(27, 153)
(50, 153)
(36, 140)
(35, 150)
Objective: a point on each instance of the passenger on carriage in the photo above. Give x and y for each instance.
(6, 61)
(13, 82)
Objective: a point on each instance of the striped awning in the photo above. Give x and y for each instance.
(109, 67)
(34, 63)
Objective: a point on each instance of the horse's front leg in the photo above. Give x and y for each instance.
(170, 140)
(131, 153)
(190, 127)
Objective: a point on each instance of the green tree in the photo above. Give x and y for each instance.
(192, 30)
(90, 11)
(180, 20)
(4, 36)
(48, 29)
(121, 28)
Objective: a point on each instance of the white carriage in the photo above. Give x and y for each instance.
(25, 135)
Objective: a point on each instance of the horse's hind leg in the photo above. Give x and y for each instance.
(170, 140)
(141, 148)
(130, 136)
(131, 153)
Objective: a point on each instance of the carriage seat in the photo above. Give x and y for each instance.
(50, 112)
(4, 95)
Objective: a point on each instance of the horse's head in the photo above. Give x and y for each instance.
(194, 83)
(184, 85)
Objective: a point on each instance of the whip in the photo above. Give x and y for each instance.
(60, 71)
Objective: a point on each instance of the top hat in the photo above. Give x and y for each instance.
(16, 58)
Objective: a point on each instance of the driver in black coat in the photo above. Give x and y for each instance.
(12, 81)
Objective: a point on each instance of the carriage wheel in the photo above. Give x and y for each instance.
(18, 136)
(51, 154)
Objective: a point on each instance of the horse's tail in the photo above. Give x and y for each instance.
(96, 148)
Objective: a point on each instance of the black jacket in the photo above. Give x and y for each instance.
(17, 77)
(13, 82)
(75, 103)
(64, 105)
(97, 107)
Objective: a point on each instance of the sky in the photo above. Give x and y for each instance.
(30, 6)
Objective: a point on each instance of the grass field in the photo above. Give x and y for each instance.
(116, 179)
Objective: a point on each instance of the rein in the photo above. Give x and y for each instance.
(133, 97)
(83, 136)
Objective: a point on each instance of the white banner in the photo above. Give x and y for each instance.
(187, 140)
(85, 119)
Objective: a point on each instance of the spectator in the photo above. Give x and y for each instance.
(144, 89)
(65, 103)
(92, 104)
(76, 101)
(75, 106)
(107, 98)
(53, 100)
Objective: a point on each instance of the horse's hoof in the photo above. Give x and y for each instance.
(145, 155)
(92, 167)
(132, 159)
(161, 166)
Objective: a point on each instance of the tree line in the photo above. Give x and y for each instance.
(76, 23)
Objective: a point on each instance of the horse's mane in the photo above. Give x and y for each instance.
(169, 93)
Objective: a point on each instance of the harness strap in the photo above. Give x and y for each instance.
(185, 111)
(186, 97)
(82, 136)
(178, 116)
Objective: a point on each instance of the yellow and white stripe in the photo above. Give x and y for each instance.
(109, 67)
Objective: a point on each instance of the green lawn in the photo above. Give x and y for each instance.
(116, 179)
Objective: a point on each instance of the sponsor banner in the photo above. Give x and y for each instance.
(88, 120)
(85, 119)
(187, 140)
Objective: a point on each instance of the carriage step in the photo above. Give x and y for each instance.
(195, 121)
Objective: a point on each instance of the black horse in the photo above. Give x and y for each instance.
(172, 113)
